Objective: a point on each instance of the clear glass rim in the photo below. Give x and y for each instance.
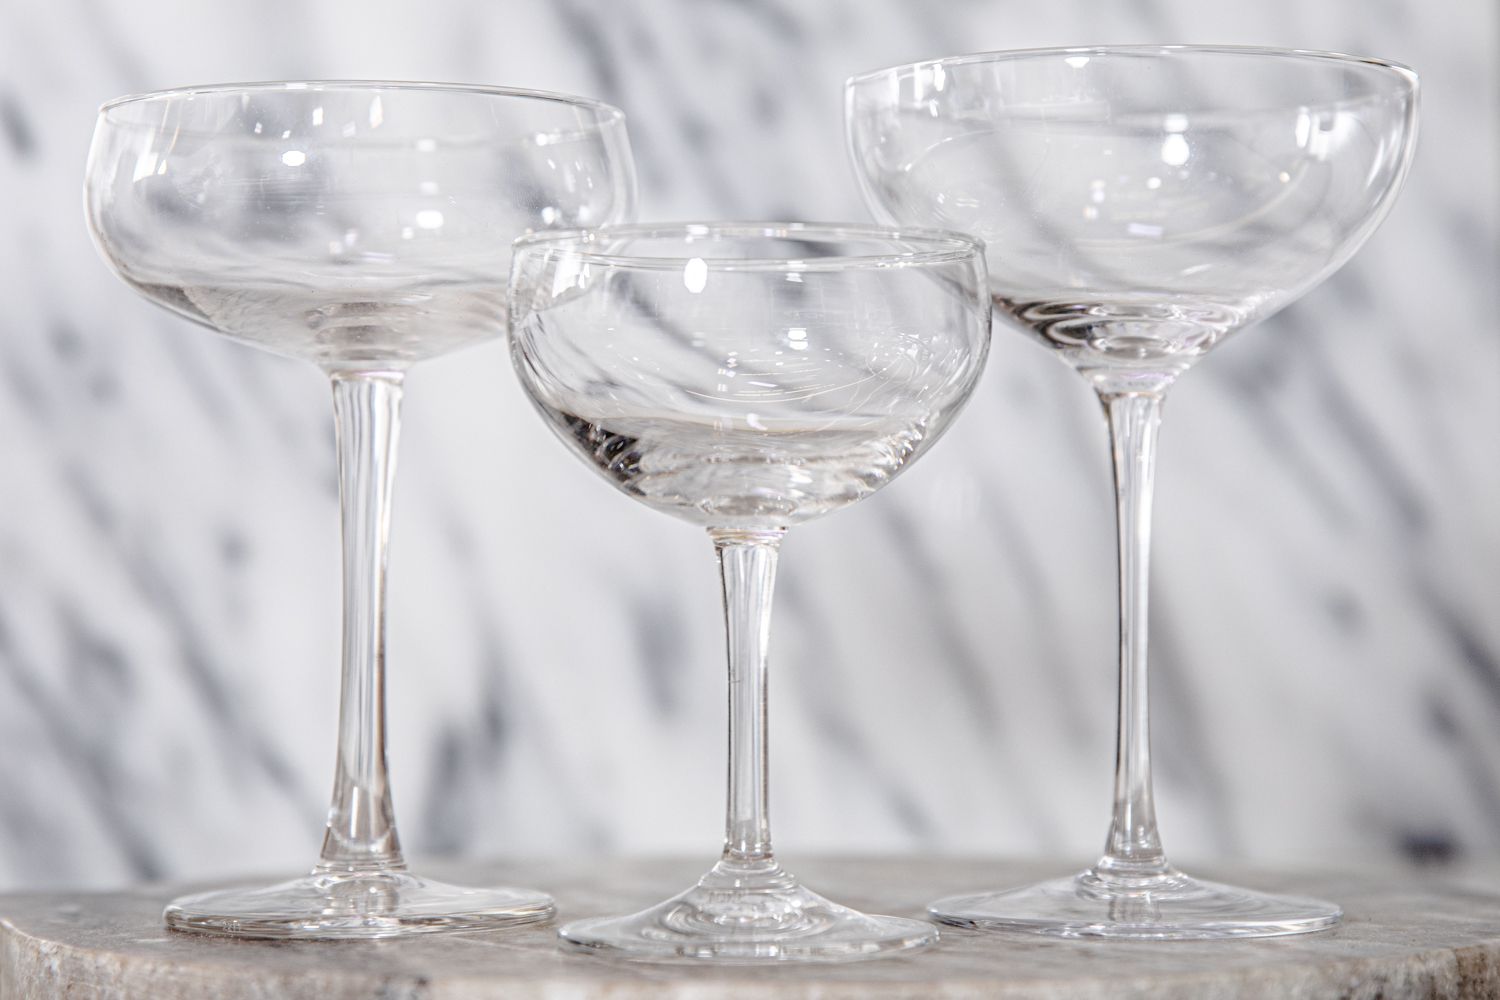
(606, 112)
(1017, 55)
(945, 246)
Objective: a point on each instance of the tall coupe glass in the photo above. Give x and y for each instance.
(361, 226)
(1139, 204)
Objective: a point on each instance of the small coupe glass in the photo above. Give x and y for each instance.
(1139, 204)
(361, 226)
(748, 377)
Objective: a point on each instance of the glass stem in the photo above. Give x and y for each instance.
(747, 566)
(361, 834)
(1133, 849)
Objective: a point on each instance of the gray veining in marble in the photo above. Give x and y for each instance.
(1402, 938)
(1326, 643)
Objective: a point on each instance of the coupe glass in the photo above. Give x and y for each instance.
(362, 227)
(1139, 205)
(747, 378)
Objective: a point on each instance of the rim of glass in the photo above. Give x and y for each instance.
(1010, 55)
(607, 111)
(945, 245)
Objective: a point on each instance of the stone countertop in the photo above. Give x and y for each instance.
(1404, 935)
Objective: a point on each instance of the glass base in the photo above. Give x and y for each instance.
(357, 905)
(747, 912)
(1163, 905)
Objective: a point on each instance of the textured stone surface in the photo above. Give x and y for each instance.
(1403, 936)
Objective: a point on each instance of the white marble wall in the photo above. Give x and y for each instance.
(1327, 642)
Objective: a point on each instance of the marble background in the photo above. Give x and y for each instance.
(1327, 580)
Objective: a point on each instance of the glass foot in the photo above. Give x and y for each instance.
(354, 905)
(1166, 905)
(747, 912)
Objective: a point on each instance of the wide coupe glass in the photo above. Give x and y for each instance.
(1139, 205)
(362, 227)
